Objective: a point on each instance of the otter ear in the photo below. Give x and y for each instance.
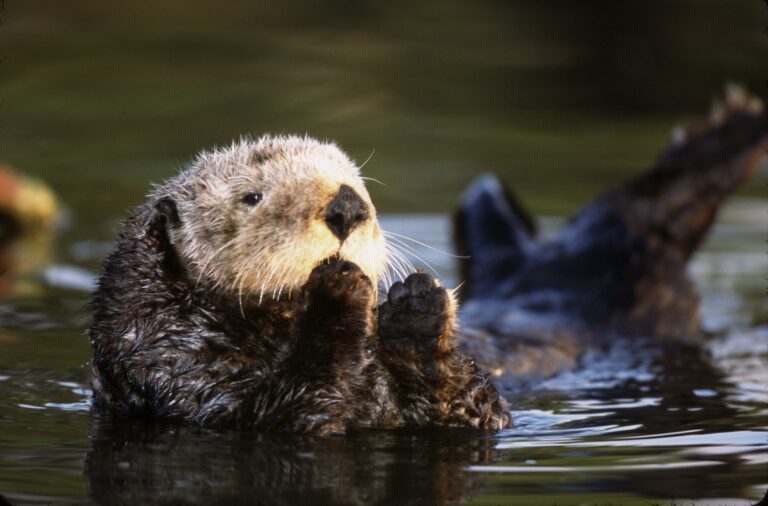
(166, 221)
(167, 209)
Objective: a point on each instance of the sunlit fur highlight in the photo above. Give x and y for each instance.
(268, 250)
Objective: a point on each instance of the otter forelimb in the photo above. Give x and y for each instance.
(435, 384)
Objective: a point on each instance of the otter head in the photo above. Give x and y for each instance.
(254, 218)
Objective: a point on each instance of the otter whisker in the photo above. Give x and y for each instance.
(367, 160)
(240, 293)
(255, 265)
(261, 291)
(397, 263)
(210, 259)
(372, 179)
(405, 248)
(278, 291)
(401, 236)
(273, 270)
(276, 274)
(400, 268)
(386, 279)
(255, 261)
(402, 253)
(411, 251)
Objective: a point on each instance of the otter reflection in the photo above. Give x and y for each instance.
(140, 463)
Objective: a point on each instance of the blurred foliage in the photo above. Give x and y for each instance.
(562, 98)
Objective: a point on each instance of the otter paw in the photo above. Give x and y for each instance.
(480, 406)
(497, 419)
(494, 410)
(340, 281)
(419, 308)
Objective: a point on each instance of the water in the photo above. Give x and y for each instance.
(100, 97)
(634, 426)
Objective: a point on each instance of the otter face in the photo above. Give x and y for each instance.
(256, 217)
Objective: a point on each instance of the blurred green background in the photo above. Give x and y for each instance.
(561, 98)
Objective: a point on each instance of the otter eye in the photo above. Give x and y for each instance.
(252, 199)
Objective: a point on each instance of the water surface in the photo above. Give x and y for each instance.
(635, 425)
(99, 98)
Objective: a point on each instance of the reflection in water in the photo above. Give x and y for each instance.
(137, 463)
(660, 393)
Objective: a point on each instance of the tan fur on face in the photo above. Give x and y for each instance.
(268, 250)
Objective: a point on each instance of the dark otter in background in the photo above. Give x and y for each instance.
(243, 294)
(618, 268)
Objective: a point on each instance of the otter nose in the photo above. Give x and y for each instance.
(346, 211)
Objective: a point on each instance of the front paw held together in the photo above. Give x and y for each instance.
(418, 308)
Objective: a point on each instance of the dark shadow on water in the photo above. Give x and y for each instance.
(141, 463)
(678, 371)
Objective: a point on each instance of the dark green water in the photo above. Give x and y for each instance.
(563, 99)
(632, 427)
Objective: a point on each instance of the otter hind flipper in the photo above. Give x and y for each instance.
(490, 227)
(678, 199)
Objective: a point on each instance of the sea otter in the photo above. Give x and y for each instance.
(243, 294)
(616, 270)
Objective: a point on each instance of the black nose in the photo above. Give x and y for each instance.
(346, 211)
